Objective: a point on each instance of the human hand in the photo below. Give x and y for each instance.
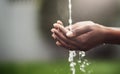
(84, 35)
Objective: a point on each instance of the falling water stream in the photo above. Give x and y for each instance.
(83, 63)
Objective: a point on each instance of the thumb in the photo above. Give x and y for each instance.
(77, 32)
(81, 28)
(70, 34)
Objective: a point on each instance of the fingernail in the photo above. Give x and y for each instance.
(58, 21)
(52, 30)
(53, 35)
(69, 34)
(57, 43)
(54, 25)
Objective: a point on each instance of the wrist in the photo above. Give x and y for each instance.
(112, 35)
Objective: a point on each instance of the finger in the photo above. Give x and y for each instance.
(59, 22)
(78, 31)
(61, 28)
(64, 45)
(52, 30)
(56, 25)
(82, 23)
(64, 39)
(58, 43)
(80, 28)
(60, 35)
(54, 36)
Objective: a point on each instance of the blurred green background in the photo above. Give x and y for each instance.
(26, 45)
(59, 67)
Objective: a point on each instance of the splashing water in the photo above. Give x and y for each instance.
(72, 54)
(83, 63)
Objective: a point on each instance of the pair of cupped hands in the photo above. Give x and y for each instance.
(83, 35)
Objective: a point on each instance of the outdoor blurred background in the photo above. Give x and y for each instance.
(26, 45)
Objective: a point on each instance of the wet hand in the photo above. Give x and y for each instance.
(84, 35)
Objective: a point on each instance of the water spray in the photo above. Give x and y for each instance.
(72, 54)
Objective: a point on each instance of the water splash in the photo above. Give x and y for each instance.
(72, 54)
(83, 63)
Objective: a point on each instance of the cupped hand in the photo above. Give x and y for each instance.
(84, 35)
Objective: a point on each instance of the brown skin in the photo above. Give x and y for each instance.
(84, 35)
